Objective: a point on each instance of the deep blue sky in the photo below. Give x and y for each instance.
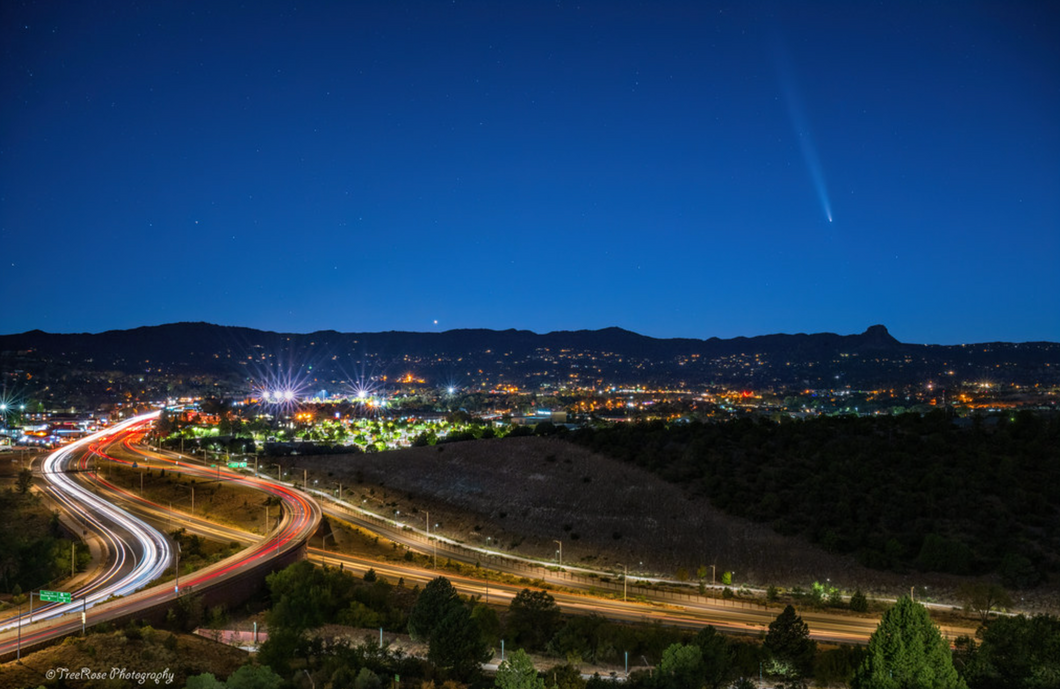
(663, 167)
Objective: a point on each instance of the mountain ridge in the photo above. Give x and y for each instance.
(484, 358)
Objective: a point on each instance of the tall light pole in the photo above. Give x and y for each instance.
(192, 489)
(712, 580)
(434, 541)
(560, 552)
(323, 548)
(625, 580)
(176, 570)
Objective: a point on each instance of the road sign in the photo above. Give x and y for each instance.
(55, 597)
(237, 465)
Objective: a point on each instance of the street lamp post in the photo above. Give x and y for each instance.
(192, 489)
(625, 580)
(176, 570)
(323, 548)
(713, 581)
(560, 552)
(434, 541)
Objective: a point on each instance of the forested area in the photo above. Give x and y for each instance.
(32, 549)
(902, 492)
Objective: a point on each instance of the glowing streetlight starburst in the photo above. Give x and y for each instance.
(10, 403)
(280, 397)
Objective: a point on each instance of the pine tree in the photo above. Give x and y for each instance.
(517, 672)
(907, 650)
(456, 644)
(432, 605)
(789, 644)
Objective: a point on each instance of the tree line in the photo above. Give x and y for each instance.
(905, 492)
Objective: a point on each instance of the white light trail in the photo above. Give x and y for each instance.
(156, 549)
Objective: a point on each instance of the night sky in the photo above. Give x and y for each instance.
(687, 169)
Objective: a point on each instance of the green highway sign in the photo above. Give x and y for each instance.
(55, 597)
(237, 465)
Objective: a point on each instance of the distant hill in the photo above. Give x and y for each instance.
(611, 356)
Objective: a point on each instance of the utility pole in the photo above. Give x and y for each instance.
(323, 548)
(434, 541)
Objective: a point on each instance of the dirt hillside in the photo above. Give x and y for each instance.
(525, 493)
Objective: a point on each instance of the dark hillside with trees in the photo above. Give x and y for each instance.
(907, 492)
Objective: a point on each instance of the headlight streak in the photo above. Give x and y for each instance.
(156, 549)
(300, 514)
(301, 517)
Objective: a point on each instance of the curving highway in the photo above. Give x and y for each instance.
(139, 554)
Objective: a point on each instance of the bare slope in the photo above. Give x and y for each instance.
(524, 493)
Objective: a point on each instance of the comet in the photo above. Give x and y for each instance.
(801, 127)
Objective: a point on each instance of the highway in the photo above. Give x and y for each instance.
(139, 553)
(681, 609)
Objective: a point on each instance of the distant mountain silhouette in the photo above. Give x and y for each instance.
(473, 356)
